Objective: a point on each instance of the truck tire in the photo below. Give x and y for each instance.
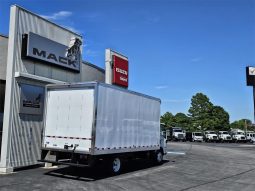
(158, 158)
(115, 165)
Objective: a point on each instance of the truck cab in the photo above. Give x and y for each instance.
(250, 136)
(197, 136)
(224, 136)
(210, 136)
(178, 134)
(238, 135)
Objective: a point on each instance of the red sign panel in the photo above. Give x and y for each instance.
(120, 71)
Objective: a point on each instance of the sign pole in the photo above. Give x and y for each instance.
(254, 102)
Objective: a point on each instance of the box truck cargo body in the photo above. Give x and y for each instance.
(96, 121)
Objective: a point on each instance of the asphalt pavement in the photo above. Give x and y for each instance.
(187, 166)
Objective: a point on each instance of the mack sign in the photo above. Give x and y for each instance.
(43, 49)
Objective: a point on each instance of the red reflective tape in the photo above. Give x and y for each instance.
(68, 137)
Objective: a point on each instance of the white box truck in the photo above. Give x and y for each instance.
(238, 135)
(88, 122)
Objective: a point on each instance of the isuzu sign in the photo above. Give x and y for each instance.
(250, 76)
(40, 48)
(120, 71)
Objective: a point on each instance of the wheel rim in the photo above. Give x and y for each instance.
(116, 165)
(159, 157)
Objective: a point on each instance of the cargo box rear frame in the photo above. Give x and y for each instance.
(94, 150)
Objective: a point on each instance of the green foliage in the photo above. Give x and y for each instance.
(206, 115)
(181, 120)
(167, 119)
(178, 120)
(200, 111)
(203, 115)
(240, 124)
(220, 118)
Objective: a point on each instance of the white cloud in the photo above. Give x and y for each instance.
(61, 15)
(161, 87)
(175, 100)
(58, 15)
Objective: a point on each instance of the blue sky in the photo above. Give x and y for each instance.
(176, 48)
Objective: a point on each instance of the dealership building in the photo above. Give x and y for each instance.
(36, 52)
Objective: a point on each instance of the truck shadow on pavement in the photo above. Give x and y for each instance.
(100, 172)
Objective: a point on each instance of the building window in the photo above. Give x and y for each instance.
(31, 99)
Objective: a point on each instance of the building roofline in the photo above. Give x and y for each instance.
(15, 5)
(94, 66)
(84, 62)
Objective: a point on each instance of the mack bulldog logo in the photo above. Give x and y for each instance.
(51, 52)
(73, 52)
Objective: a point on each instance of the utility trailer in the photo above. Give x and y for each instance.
(88, 122)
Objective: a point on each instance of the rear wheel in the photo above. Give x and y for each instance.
(115, 165)
(158, 158)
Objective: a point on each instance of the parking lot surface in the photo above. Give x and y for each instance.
(188, 166)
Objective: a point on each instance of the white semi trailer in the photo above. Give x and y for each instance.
(88, 122)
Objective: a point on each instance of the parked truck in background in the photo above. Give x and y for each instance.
(210, 136)
(194, 136)
(168, 134)
(165, 131)
(224, 136)
(177, 134)
(238, 135)
(89, 122)
(189, 136)
(197, 136)
(250, 136)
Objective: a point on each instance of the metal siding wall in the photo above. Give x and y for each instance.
(92, 74)
(22, 135)
(26, 129)
(3, 57)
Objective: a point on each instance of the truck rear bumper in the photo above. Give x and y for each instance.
(66, 157)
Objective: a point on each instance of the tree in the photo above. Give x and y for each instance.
(200, 111)
(203, 115)
(220, 118)
(167, 119)
(207, 116)
(182, 120)
(240, 124)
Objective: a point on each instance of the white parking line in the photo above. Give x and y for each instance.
(247, 145)
(176, 153)
(144, 172)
